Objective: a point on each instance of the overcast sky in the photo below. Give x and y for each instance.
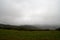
(41, 12)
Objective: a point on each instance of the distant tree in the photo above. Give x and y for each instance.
(58, 29)
(0, 27)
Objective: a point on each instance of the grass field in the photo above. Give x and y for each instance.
(29, 35)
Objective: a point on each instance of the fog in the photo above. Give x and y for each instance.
(30, 12)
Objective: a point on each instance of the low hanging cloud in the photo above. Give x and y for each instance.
(41, 12)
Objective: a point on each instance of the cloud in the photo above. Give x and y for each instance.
(18, 12)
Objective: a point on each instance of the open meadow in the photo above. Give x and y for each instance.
(28, 35)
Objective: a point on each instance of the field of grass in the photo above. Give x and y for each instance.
(29, 35)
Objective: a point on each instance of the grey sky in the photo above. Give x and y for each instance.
(42, 12)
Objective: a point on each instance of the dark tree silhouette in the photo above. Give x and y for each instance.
(58, 29)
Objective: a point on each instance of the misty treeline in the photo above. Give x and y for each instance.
(24, 28)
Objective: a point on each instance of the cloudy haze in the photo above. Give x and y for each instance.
(41, 12)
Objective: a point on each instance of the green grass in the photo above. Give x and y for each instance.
(29, 35)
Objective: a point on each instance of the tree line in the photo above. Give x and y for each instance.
(24, 28)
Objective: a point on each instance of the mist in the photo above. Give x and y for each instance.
(30, 12)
